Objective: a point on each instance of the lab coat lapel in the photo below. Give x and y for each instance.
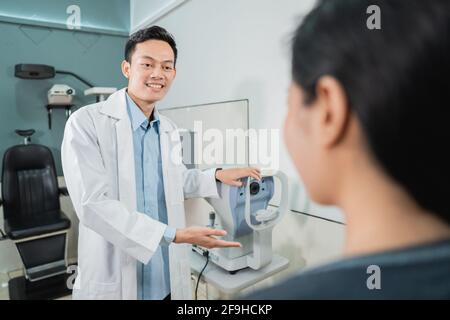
(165, 149)
(127, 194)
(125, 162)
(116, 108)
(180, 282)
(167, 144)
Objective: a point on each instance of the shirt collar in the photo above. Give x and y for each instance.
(137, 117)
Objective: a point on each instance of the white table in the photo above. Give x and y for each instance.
(234, 283)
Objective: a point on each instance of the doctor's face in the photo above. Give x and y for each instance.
(151, 71)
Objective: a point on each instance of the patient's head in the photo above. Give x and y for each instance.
(373, 98)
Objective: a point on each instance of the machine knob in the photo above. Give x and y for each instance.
(212, 218)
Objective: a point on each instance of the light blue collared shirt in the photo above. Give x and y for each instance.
(153, 278)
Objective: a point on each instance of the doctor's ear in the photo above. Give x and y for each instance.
(126, 68)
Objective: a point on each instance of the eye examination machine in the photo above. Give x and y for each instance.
(244, 214)
(250, 213)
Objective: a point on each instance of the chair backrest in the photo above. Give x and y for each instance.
(29, 183)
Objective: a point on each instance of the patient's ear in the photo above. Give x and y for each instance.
(333, 103)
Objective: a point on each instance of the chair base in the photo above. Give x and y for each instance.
(46, 289)
(46, 271)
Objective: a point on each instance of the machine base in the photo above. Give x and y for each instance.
(234, 283)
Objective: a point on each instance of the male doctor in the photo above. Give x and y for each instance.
(128, 185)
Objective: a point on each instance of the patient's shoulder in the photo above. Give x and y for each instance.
(419, 272)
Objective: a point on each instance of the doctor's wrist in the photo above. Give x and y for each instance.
(179, 236)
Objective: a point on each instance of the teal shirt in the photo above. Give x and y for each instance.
(153, 278)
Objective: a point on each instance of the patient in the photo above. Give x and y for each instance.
(368, 129)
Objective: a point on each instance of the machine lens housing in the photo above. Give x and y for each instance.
(254, 188)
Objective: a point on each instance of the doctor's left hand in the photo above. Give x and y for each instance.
(232, 176)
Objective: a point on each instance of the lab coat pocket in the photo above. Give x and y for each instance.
(176, 185)
(104, 291)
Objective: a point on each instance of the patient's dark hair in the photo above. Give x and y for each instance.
(151, 33)
(397, 82)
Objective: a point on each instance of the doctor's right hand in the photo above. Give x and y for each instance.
(203, 236)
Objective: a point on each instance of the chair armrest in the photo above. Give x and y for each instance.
(63, 191)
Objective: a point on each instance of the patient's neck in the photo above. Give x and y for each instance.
(381, 216)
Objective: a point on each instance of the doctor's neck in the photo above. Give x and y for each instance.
(145, 106)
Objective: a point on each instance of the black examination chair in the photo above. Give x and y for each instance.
(32, 215)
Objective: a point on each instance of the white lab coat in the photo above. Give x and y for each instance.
(98, 164)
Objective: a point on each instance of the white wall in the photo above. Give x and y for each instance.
(144, 12)
(237, 49)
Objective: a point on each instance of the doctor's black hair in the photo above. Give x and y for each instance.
(397, 82)
(151, 33)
